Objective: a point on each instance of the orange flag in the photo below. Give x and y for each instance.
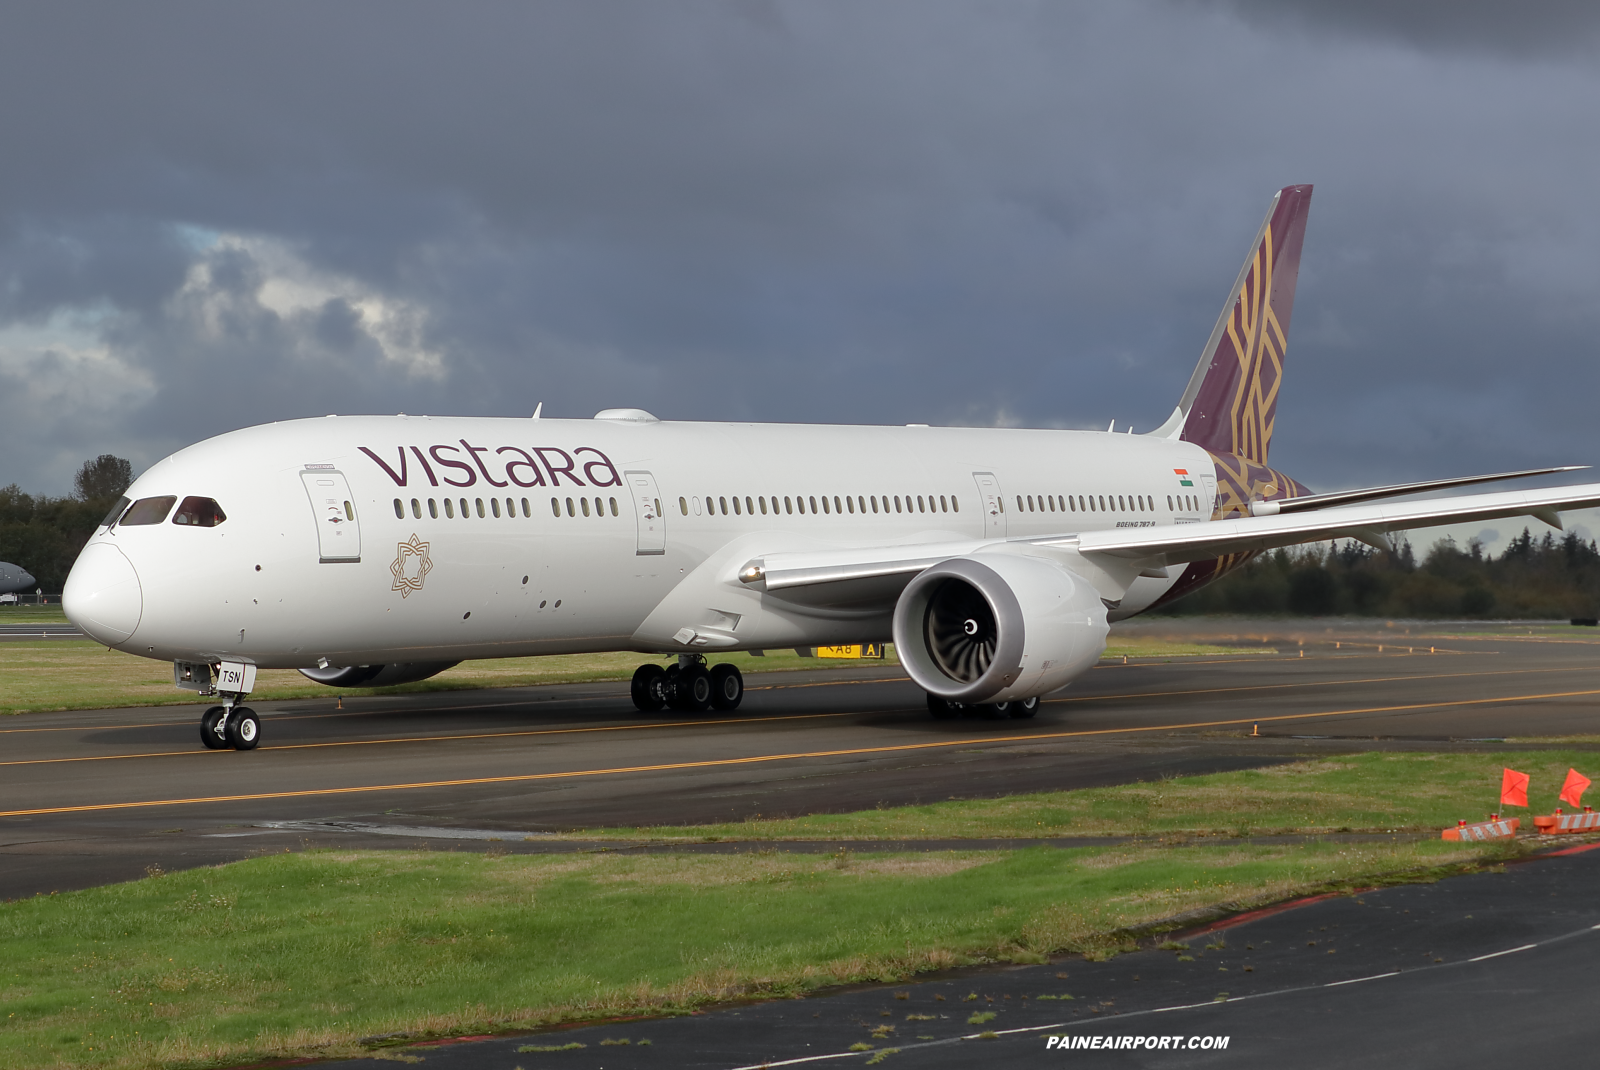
(1514, 788)
(1572, 791)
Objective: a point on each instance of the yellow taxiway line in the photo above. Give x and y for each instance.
(522, 778)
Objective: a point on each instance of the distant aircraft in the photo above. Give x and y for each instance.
(14, 578)
(374, 550)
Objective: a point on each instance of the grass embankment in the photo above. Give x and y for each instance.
(70, 674)
(300, 954)
(1372, 792)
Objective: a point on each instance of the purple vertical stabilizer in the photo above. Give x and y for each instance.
(1232, 400)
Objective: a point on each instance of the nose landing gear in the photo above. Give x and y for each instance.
(233, 726)
(687, 686)
(230, 724)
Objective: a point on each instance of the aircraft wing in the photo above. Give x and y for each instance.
(1368, 522)
(860, 576)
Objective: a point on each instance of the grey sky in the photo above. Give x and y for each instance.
(217, 215)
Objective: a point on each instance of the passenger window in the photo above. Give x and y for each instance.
(613, 507)
(555, 506)
(494, 507)
(449, 509)
(479, 503)
(585, 503)
(116, 512)
(399, 509)
(920, 509)
(1072, 506)
(836, 504)
(955, 504)
(861, 502)
(149, 510)
(850, 503)
(749, 506)
(943, 505)
(571, 509)
(897, 503)
(762, 501)
(874, 500)
(463, 508)
(736, 511)
(814, 504)
(786, 507)
(825, 508)
(683, 505)
(199, 512)
(416, 509)
(724, 503)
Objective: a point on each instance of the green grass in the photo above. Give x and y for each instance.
(68, 674)
(46, 614)
(304, 954)
(1374, 792)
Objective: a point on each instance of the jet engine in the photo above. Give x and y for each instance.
(996, 627)
(403, 672)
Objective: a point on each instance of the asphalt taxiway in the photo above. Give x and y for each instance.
(92, 797)
(1484, 970)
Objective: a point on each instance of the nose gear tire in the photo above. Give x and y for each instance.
(244, 729)
(209, 721)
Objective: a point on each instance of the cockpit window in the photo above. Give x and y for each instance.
(116, 511)
(149, 510)
(199, 512)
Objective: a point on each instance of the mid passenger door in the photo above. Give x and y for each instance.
(652, 537)
(994, 505)
(334, 508)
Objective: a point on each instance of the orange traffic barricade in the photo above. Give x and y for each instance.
(1495, 828)
(1557, 822)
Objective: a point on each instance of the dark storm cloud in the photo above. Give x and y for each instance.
(983, 213)
(1528, 28)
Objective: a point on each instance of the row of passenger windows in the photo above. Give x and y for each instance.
(1103, 503)
(861, 503)
(492, 508)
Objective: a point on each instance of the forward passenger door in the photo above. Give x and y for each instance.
(333, 507)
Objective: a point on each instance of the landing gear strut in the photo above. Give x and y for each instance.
(688, 686)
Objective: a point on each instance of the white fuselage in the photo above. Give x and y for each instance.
(586, 564)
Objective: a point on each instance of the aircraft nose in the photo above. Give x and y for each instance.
(102, 595)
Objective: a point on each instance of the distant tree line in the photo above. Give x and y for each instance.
(44, 534)
(1533, 578)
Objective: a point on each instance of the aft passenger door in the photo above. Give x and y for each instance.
(994, 505)
(334, 508)
(652, 537)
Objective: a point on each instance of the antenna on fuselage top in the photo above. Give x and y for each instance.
(537, 409)
(1111, 427)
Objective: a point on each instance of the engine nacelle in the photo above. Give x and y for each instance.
(403, 672)
(996, 627)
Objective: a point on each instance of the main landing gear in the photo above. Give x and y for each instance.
(232, 725)
(1019, 709)
(688, 686)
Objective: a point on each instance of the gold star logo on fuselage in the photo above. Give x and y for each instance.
(410, 566)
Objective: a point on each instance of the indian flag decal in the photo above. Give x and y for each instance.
(1183, 477)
